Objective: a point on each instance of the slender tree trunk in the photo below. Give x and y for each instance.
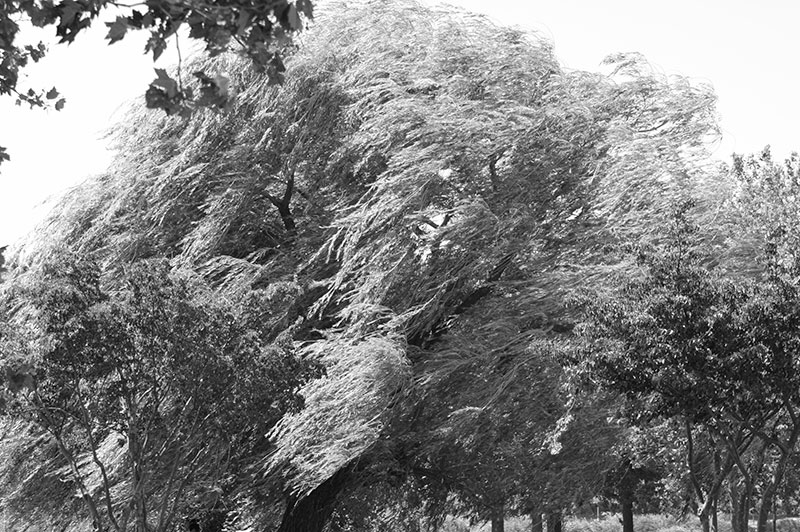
(739, 491)
(705, 522)
(312, 512)
(714, 515)
(536, 520)
(715, 496)
(705, 500)
(554, 521)
(774, 516)
(498, 519)
(768, 495)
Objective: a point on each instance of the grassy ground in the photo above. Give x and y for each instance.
(641, 523)
(612, 523)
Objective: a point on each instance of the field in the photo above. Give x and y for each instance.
(609, 523)
(612, 523)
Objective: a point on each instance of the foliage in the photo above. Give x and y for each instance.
(412, 209)
(683, 342)
(157, 371)
(256, 29)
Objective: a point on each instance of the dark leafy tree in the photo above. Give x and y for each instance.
(157, 372)
(682, 342)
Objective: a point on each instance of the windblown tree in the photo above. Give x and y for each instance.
(417, 198)
(148, 392)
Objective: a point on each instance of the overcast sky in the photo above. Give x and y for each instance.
(746, 50)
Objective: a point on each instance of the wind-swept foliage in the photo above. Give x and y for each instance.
(412, 205)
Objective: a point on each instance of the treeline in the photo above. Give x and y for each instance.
(431, 274)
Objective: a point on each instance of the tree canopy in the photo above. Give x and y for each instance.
(409, 210)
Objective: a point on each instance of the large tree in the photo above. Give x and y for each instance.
(417, 197)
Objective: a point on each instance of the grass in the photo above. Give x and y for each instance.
(612, 523)
(609, 523)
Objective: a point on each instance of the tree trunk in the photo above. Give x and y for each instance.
(554, 521)
(764, 510)
(714, 514)
(626, 501)
(536, 520)
(287, 219)
(498, 519)
(740, 504)
(312, 512)
(775, 480)
(768, 497)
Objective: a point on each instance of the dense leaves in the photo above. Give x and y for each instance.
(258, 31)
(684, 342)
(159, 369)
(409, 210)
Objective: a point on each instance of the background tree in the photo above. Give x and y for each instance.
(685, 343)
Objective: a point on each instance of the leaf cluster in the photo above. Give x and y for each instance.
(255, 29)
(173, 373)
(682, 339)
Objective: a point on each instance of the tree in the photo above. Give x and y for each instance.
(683, 342)
(419, 203)
(483, 430)
(255, 28)
(156, 371)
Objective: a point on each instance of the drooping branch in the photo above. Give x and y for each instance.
(284, 205)
(468, 302)
(483, 290)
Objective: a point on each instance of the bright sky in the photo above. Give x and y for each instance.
(746, 50)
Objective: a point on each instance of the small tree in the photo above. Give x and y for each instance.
(145, 389)
(719, 354)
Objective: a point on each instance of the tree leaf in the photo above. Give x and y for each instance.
(293, 18)
(52, 94)
(117, 30)
(156, 44)
(306, 7)
(69, 9)
(165, 82)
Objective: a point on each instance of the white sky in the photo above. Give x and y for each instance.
(746, 50)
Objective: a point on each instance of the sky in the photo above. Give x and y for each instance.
(747, 51)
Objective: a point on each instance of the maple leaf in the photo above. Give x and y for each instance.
(116, 30)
